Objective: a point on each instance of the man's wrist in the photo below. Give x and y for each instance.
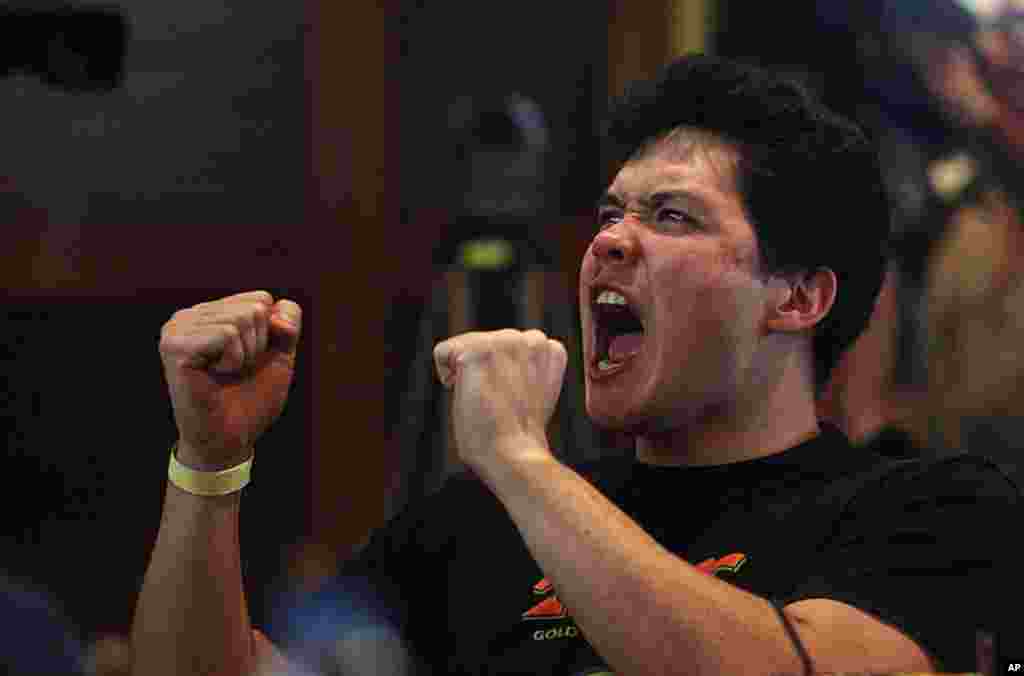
(506, 471)
(206, 461)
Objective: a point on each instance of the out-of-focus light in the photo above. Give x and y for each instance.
(987, 10)
(487, 254)
(950, 176)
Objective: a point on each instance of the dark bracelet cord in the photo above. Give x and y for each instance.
(804, 657)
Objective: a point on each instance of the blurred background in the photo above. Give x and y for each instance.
(404, 170)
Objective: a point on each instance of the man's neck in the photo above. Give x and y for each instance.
(785, 419)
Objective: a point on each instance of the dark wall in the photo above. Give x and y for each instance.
(208, 123)
(553, 54)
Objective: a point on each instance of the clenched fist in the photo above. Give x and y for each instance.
(229, 364)
(505, 386)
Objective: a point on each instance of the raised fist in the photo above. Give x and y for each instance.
(505, 387)
(229, 364)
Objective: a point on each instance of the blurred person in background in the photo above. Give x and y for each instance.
(737, 252)
(973, 283)
(39, 638)
(944, 369)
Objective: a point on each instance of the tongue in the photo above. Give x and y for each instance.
(625, 345)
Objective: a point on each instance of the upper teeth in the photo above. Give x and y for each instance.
(612, 298)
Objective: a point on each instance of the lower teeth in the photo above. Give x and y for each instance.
(606, 364)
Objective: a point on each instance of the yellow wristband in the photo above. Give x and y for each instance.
(193, 481)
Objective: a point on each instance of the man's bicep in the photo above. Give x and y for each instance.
(841, 638)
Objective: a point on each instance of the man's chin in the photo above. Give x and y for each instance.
(630, 425)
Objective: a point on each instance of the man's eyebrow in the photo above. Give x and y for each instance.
(660, 197)
(669, 195)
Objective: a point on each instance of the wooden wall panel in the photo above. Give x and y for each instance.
(353, 215)
(639, 40)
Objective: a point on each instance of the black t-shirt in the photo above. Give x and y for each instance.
(908, 540)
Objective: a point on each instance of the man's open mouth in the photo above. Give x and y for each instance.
(618, 331)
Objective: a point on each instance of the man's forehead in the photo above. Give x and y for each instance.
(701, 176)
(683, 155)
(682, 143)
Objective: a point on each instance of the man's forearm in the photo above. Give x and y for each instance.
(192, 616)
(605, 569)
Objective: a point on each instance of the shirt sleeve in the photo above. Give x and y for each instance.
(922, 549)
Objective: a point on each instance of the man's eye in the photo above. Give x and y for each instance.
(676, 216)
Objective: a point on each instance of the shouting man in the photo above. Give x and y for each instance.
(736, 253)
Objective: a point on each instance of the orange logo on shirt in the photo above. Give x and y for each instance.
(730, 563)
(550, 608)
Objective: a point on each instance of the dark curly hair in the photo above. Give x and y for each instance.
(809, 178)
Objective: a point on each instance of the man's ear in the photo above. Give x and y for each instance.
(798, 301)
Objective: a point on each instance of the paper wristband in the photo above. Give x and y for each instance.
(193, 481)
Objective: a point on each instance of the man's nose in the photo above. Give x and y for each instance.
(615, 245)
